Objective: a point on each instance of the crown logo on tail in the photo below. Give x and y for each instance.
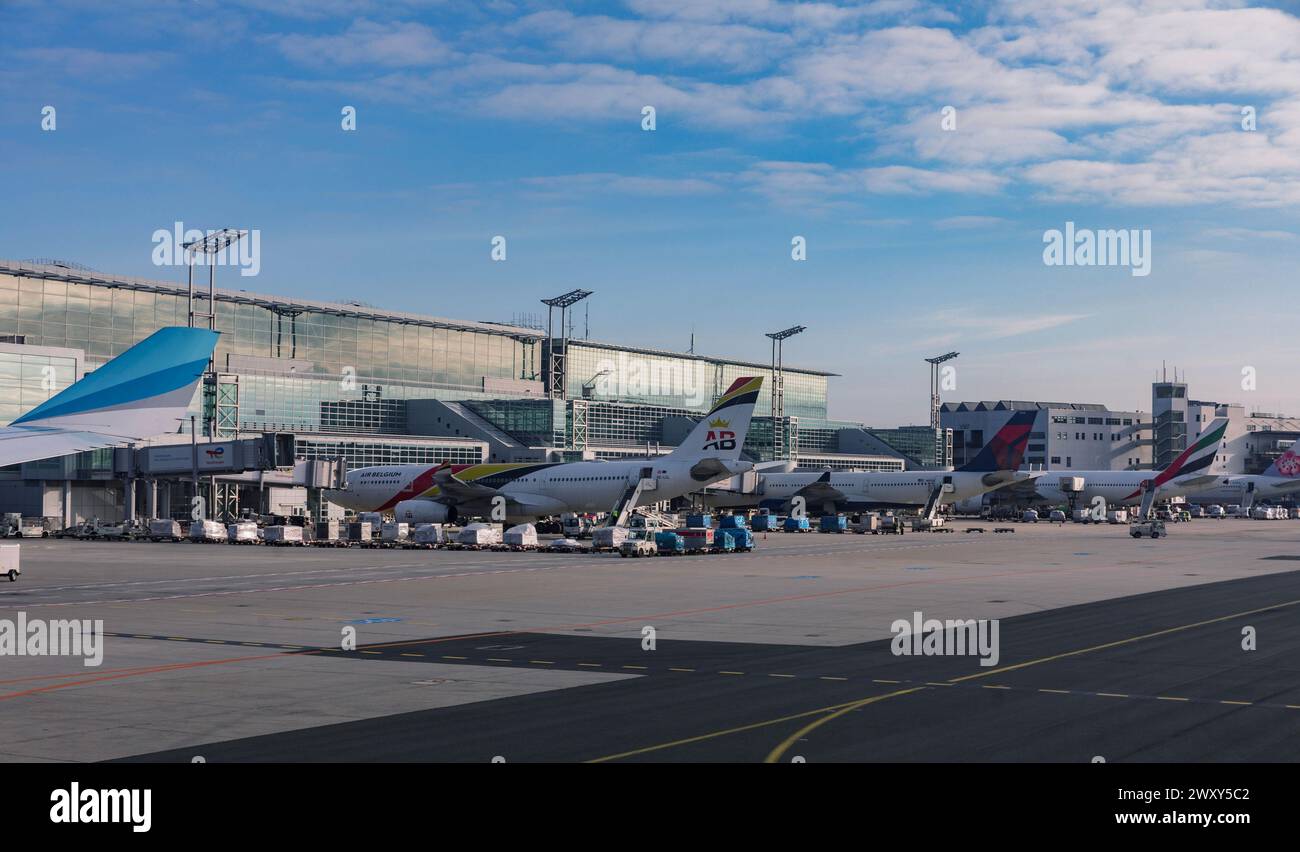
(719, 423)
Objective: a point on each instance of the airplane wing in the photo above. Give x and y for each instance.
(457, 492)
(1021, 485)
(820, 491)
(142, 393)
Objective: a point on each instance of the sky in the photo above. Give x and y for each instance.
(922, 151)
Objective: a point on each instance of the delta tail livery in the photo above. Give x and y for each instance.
(447, 493)
(995, 466)
(142, 393)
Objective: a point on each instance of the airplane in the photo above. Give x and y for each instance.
(1184, 475)
(1280, 482)
(526, 491)
(139, 394)
(995, 466)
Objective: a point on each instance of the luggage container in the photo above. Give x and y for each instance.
(697, 539)
(207, 531)
(796, 525)
(479, 535)
(608, 538)
(329, 534)
(360, 532)
(1117, 516)
(428, 535)
(832, 524)
(284, 536)
(865, 523)
(743, 538)
(669, 543)
(165, 530)
(699, 521)
(394, 532)
(9, 562)
(243, 532)
(521, 537)
(763, 523)
(724, 542)
(731, 522)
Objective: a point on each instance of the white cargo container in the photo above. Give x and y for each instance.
(479, 535)
(242, 532)
(207, 531)
(524, 536)
(1117, 516)
(427, 535)
(602, 538)
(9, 566)
(284, 535)
(394, 532)
(161, 529)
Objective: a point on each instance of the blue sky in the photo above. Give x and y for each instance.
(774, 119)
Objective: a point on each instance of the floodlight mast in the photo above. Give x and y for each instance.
(777, 391)
(940, 445)
(556, 385)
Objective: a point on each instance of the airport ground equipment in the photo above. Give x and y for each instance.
(867, 522)
(565, 545)
(975, 530)
(1117, 516)
(764, 523)
(890, 525)
(10, 562)
(165, 529)
(608, 538)
(207, 532)
(637, 545)
(741, 537)
(242, 532)
(1151, 529)
(284, 536)
(924, 524)
(1004, 529)
(832, 524)
(521, 537)
(731, 522)
(330, 534)
(1030, 516)
(697, 539)
(723, 542)
(479, 535)
(699, 521)
(394, 533)
(793, 524)
(360, 532)
(669, 543)
(428, 535)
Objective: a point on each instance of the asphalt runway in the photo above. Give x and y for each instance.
(1110, 649)
(1154, 677)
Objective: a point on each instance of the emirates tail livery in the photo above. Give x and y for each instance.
(1186, 474)
(446, 493)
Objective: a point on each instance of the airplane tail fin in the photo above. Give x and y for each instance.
(1286, 466)
(139, 394)
(1006, 450)
(1199, 456)
(721, 434)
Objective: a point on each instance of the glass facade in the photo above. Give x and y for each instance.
(27, 380)
(368, 453)
(605, 372)
(330, 368)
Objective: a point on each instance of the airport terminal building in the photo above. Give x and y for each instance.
(373, 386)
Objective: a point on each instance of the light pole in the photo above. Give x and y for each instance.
(555, 366)
(935, 422)
(778, 387)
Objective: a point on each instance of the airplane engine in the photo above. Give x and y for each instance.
(424, 512)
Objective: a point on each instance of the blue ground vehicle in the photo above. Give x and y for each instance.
(669, 543)
(797, 525)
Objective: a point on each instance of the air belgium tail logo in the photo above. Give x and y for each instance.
(719, 437)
